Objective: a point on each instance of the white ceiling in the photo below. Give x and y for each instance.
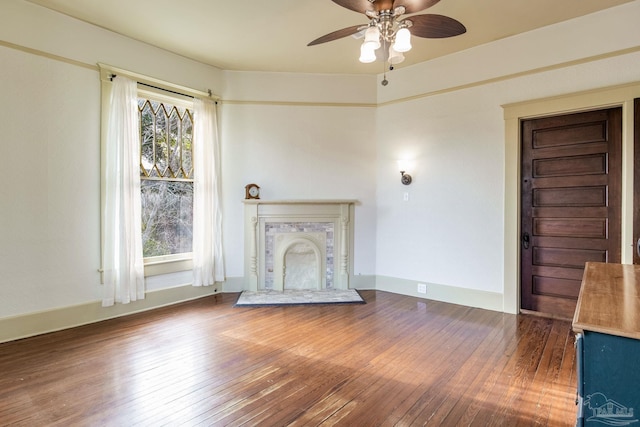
(273, 35)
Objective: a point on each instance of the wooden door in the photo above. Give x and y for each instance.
(571, 204)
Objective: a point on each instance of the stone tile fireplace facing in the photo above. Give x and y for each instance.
(298, 244)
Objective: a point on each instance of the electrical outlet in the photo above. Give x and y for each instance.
(422, 288)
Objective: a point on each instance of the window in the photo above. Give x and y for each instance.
(166, 175)
(167, 170)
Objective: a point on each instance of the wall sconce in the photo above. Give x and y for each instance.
(405, 177)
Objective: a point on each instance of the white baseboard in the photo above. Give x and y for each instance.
(451, 294)
(23, 326)
(233, 284)
(27, 325)
(362, 282)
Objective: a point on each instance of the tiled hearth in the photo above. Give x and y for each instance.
(304, 244)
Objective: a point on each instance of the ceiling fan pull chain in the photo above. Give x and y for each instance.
(384, 65)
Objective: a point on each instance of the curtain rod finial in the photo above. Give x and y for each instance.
(209, 92)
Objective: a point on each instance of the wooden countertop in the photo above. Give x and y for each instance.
(609, 300)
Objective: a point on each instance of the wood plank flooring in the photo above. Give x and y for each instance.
(395, 361)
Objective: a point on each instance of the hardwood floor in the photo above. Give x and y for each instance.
(395, 361)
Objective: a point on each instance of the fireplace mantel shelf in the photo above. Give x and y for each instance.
(300, 202)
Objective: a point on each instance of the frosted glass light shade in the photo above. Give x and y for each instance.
(372, 36)
(367, 53)
(405, 165)
(394, 56)
(403, 40)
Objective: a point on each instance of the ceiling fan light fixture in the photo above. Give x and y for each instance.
(403, 40)
(388, 26)
(367, 53)
(372, 36)
(395, 57)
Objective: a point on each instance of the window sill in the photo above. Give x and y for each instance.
(165, 265)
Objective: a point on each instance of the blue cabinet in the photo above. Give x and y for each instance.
(607, 326)
(608, 380)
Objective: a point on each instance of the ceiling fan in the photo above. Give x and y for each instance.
(387, 28)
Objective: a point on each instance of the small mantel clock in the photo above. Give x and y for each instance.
(251, 191)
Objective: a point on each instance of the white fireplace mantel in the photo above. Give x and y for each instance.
(267, 221)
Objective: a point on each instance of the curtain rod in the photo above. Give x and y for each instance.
(166, 90)
(112, 76)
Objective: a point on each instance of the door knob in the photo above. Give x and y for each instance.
(525, 241)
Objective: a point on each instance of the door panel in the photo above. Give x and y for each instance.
(571, 227)
(579, 165)
(571, 198)
(565, 257)
(577, 196)
(553, 286)
(570, 135)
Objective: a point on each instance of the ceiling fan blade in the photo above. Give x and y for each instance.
(363, 5)
(412, 6)
(435, 26)
(337, 35)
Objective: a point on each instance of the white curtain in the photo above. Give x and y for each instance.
(122, 258)
(208, 263)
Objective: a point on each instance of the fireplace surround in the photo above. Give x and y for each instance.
(298, 244)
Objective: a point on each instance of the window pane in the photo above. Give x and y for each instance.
(174, 145)
(187, 150)
(161, 143)
(167, 217)
(147, 118)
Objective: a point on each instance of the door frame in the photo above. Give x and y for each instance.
(636, 182)
(615, 96)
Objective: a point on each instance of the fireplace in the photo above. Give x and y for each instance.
(298, 244)
(299, 261)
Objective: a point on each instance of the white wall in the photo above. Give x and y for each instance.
(450, 230)
(50, 140)
(297, 136)
(299, 152)
(49, 118)
(282, 131)
(446, 115)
